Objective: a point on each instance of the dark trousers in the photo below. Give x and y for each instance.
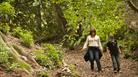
(115, 62)
(94, 55)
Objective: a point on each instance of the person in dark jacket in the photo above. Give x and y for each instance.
(94, 46)
(114, 52)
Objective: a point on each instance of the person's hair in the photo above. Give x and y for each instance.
(111, 36)
(92, 30)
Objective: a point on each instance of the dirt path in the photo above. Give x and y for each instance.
(129, 68)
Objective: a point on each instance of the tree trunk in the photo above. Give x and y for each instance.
(38, 17)
(60, 17)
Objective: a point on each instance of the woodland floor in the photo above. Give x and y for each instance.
(129, 67)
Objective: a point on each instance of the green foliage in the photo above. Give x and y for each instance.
(9, 55)
(4, 27)
(108, 19)
(43, 60)
(127, 40)
(54, 53)
(135, 57)
(45, 19)
(6, 9)
(98, 13)
(43, 74)
(27, 39)
(12, 67)
(6, 1)
(17, 32)
(74, 71)
(24, 35)
(71, 40)
(4, 55)
(49, 57)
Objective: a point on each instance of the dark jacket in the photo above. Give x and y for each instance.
(113, 47)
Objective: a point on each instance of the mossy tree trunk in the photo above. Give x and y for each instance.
(16, 56)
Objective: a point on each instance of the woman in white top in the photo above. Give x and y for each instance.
(94, 46)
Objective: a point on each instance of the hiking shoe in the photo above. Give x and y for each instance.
(92, 67)
(99, 70)
(114, 69)
(118, 69)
